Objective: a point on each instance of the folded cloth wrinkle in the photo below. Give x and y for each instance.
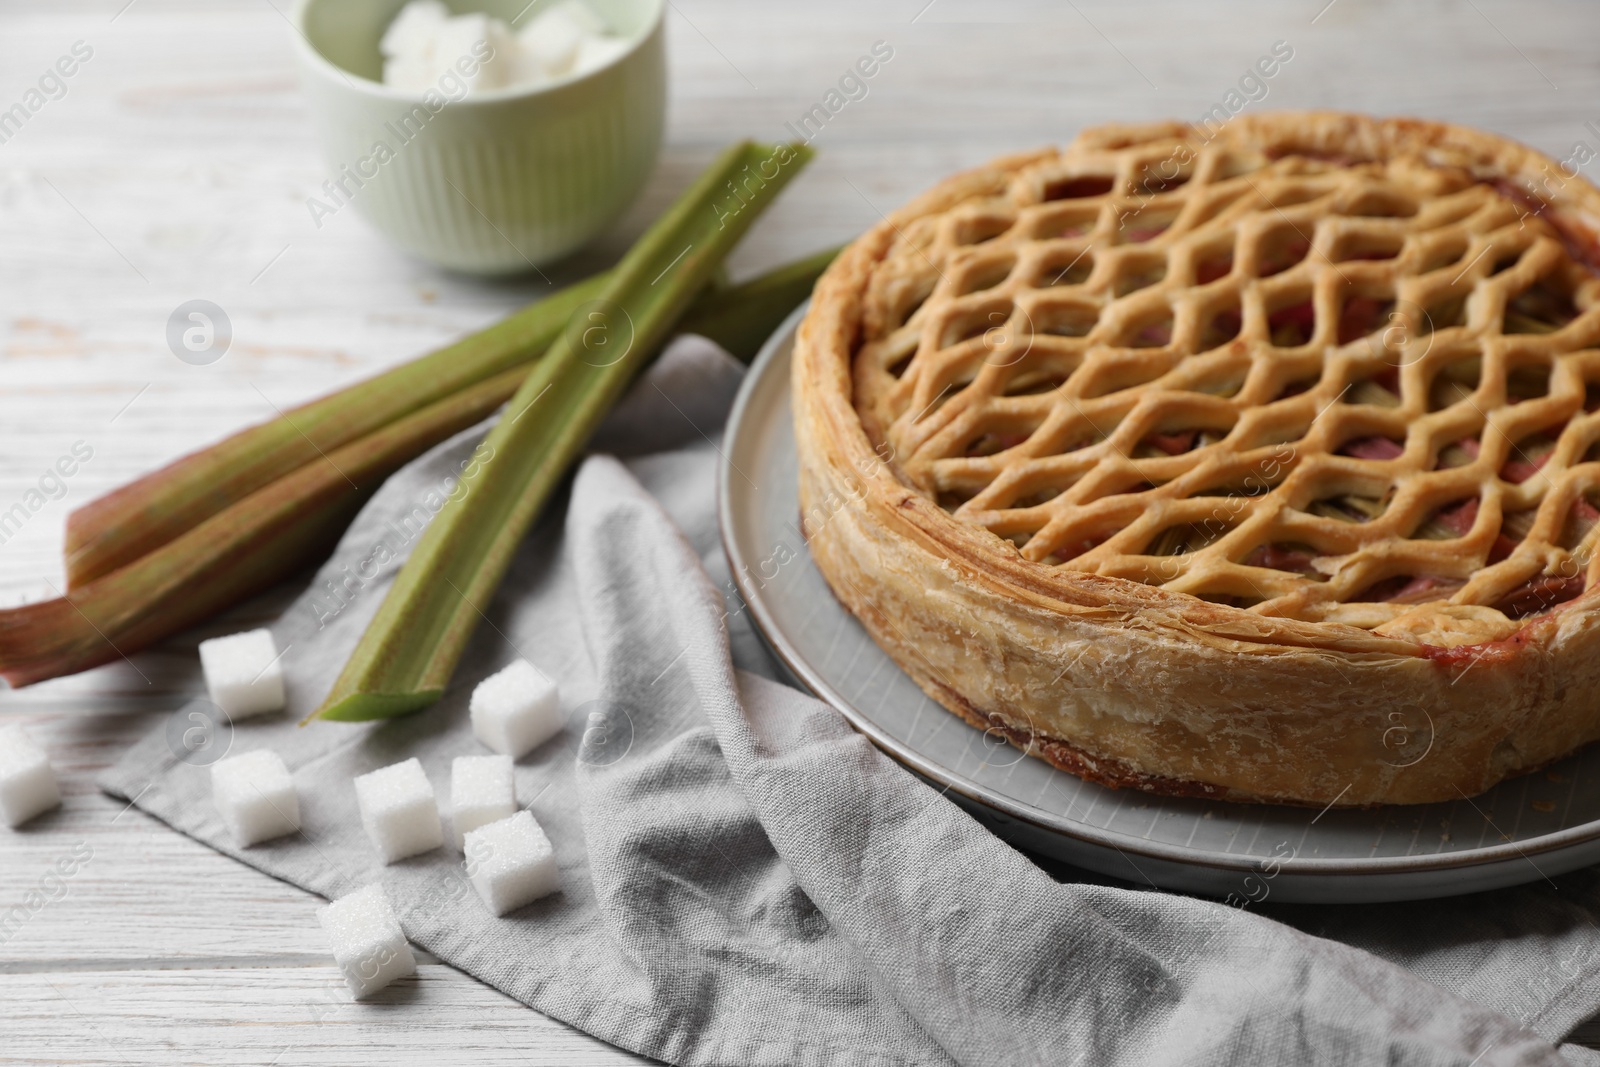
(746, 880)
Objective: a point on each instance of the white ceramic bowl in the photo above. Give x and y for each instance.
(497, 181)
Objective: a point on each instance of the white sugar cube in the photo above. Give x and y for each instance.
(368, 943)
(481, 791)
(399, 811)
(412, 30)
(27, 783)
(255, 796)
(427, 48)
(243, 674)
(552, 38)
(511, 863)
(516, 709)
(596, 52)
(483, 42)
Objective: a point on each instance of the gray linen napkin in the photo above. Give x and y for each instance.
(745, 880)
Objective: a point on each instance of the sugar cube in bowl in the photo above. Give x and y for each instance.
(399, 811)
(255, 796)
(481, 791)
(27, 781)
(243, 674)
(516, 709)
(511, 863)
(368, 944)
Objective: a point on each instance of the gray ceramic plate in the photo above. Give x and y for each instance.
(1529, 828)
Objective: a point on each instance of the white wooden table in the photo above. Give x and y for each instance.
(177, 166)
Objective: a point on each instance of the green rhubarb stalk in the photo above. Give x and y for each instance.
(125, 524)
(235, 553)
(253, 543)
(251, 547)
(741, 317)
(409, 651)
(118, 528)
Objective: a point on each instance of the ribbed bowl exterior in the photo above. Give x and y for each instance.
(496, 185)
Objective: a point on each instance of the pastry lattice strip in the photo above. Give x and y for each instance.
(1309, 388)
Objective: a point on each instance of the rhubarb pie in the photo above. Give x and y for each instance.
(1253, 463)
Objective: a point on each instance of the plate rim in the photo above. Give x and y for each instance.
(776, 348)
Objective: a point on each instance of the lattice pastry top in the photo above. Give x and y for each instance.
(1274, 378)
(1259, 463)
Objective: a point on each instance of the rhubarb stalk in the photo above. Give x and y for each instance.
(123, 525)
(269, 534)
(116, 529)
(409, 651)
(241, 550)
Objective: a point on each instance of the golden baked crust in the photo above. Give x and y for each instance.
(1262, 465)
